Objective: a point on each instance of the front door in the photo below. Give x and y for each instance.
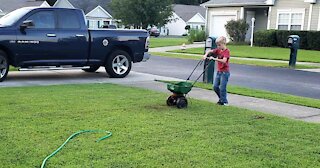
(37, 45)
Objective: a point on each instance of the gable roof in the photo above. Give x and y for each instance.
(98, 9)
(10, 5)
(89, 5)
(219, 3)
(186, 12)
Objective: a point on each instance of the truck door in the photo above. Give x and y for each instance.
(73, 37)
(37, 43)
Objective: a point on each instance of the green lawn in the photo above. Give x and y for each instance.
(146, 133)
(162, 42)
(279, 97)
(273, 53)
(237, 61)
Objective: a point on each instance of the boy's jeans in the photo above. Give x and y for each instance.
(220, 86)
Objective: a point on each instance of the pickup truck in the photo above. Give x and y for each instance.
(34, 38)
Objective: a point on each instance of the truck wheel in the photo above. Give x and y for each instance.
(4, 66)
(119, 64)
(91, 69)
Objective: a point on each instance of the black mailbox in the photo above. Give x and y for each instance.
(294, 45)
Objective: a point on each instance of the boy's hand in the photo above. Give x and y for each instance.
(206, 55)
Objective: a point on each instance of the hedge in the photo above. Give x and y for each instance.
(309, 39)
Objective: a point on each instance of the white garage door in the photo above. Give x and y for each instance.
(218, 25)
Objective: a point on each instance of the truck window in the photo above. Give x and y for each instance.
(68, 19)
(43, 20)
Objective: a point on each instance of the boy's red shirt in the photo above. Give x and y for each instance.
(223, 67)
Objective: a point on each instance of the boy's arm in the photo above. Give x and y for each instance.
(209, 52)
(224, 59)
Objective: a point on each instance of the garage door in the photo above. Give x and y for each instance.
(218, 25)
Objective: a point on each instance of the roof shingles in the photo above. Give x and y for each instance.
(186, 12)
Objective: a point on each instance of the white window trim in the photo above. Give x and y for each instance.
(290, 12)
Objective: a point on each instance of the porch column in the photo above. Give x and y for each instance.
(242, 13)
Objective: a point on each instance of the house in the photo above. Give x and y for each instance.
(7, 6)
(96, 12)
(184, 15)
(96, 15)
(268, 14)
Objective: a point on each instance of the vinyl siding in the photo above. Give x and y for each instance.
(290, 4)
(315, 16)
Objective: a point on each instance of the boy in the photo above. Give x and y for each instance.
(223, 74)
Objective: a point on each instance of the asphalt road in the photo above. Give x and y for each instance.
(294, 82)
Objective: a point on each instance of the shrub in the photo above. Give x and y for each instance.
(314, 40)
(237, 30)
(265, 38)
(308, 39)
(196, 36)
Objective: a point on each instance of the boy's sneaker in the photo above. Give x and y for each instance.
(225, 104)
(222, 104)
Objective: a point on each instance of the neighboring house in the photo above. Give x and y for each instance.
(7, 6)
(269, 14)
(184, 15)
(96, 15)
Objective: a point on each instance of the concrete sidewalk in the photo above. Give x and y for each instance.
(147, 81)
(254, 59)
(170, 48)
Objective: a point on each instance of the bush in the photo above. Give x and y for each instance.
(197, 36)
(265, 38)
(314, 40)
(237, 30)
(308, 39)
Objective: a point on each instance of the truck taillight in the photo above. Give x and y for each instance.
(147, 43)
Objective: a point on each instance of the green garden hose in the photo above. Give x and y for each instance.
(71, 137)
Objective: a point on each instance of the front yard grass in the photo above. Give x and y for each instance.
(163, 42)
(146, 133)
(237, 61)
(272, 53)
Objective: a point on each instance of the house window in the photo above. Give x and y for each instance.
(290, 20)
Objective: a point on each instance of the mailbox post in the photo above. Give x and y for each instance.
(294, 45)
(208, 76)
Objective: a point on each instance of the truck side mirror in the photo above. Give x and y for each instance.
(25, 24)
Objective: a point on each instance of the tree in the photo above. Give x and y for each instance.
(142, 13)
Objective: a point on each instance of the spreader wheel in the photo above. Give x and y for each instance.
(171, 101)
(182, 102)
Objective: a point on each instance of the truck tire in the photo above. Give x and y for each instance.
(91, 69)
(118, 64)
(4, 66)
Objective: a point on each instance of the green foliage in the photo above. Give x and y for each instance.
(309, 40)
(237, 30)
(142, 13)
(265, 38)
(196, 35)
